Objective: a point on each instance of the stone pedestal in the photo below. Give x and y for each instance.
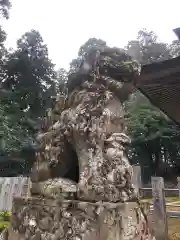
(37, 219)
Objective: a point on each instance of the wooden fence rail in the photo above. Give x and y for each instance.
(10, 187)
(158, 209)
(143, 191)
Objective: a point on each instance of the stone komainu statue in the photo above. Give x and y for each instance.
(85, 135)
(81, 180)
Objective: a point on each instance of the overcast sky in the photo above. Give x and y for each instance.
(67, 24)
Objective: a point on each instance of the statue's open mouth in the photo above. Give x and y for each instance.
(69, 168)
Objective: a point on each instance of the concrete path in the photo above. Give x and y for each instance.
(177, 203)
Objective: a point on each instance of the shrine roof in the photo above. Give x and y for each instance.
(160, 83)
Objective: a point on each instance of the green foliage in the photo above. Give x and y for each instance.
(5, 214)
(4, 224)
(12, 133)
(91, 44)
(145, 122)
(4, 8)
(61, 80)
(4, 219)
(155, 138)
(175, 48)
(4, 13)
(147, 49)
(30, 74)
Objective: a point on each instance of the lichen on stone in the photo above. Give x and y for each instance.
(82, 179)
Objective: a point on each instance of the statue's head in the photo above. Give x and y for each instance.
(117, 64)
(108, 62)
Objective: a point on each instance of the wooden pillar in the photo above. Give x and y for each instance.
(159, 209)
(178, 181)
(137, 177)
(29, 187)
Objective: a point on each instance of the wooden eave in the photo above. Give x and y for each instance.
(160, 83)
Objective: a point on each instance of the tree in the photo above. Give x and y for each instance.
(12, 134)
(27, 86)
(3, 54)
(91, 44)
(31, 74)
(4, 13)
(153, 136)
(4, 8)
(175, 48)
(147, 49)
(23, 73)
(134, 50)
(155, 139)
(61, 80)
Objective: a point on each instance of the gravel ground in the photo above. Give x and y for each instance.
(174, 228)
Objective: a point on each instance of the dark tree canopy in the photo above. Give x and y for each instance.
(30, 74)
(4, 8)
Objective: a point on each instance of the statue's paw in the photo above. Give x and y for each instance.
(4, 234)
(57, 187)
(118, 137)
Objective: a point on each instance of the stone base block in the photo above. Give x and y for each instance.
(41, 219)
